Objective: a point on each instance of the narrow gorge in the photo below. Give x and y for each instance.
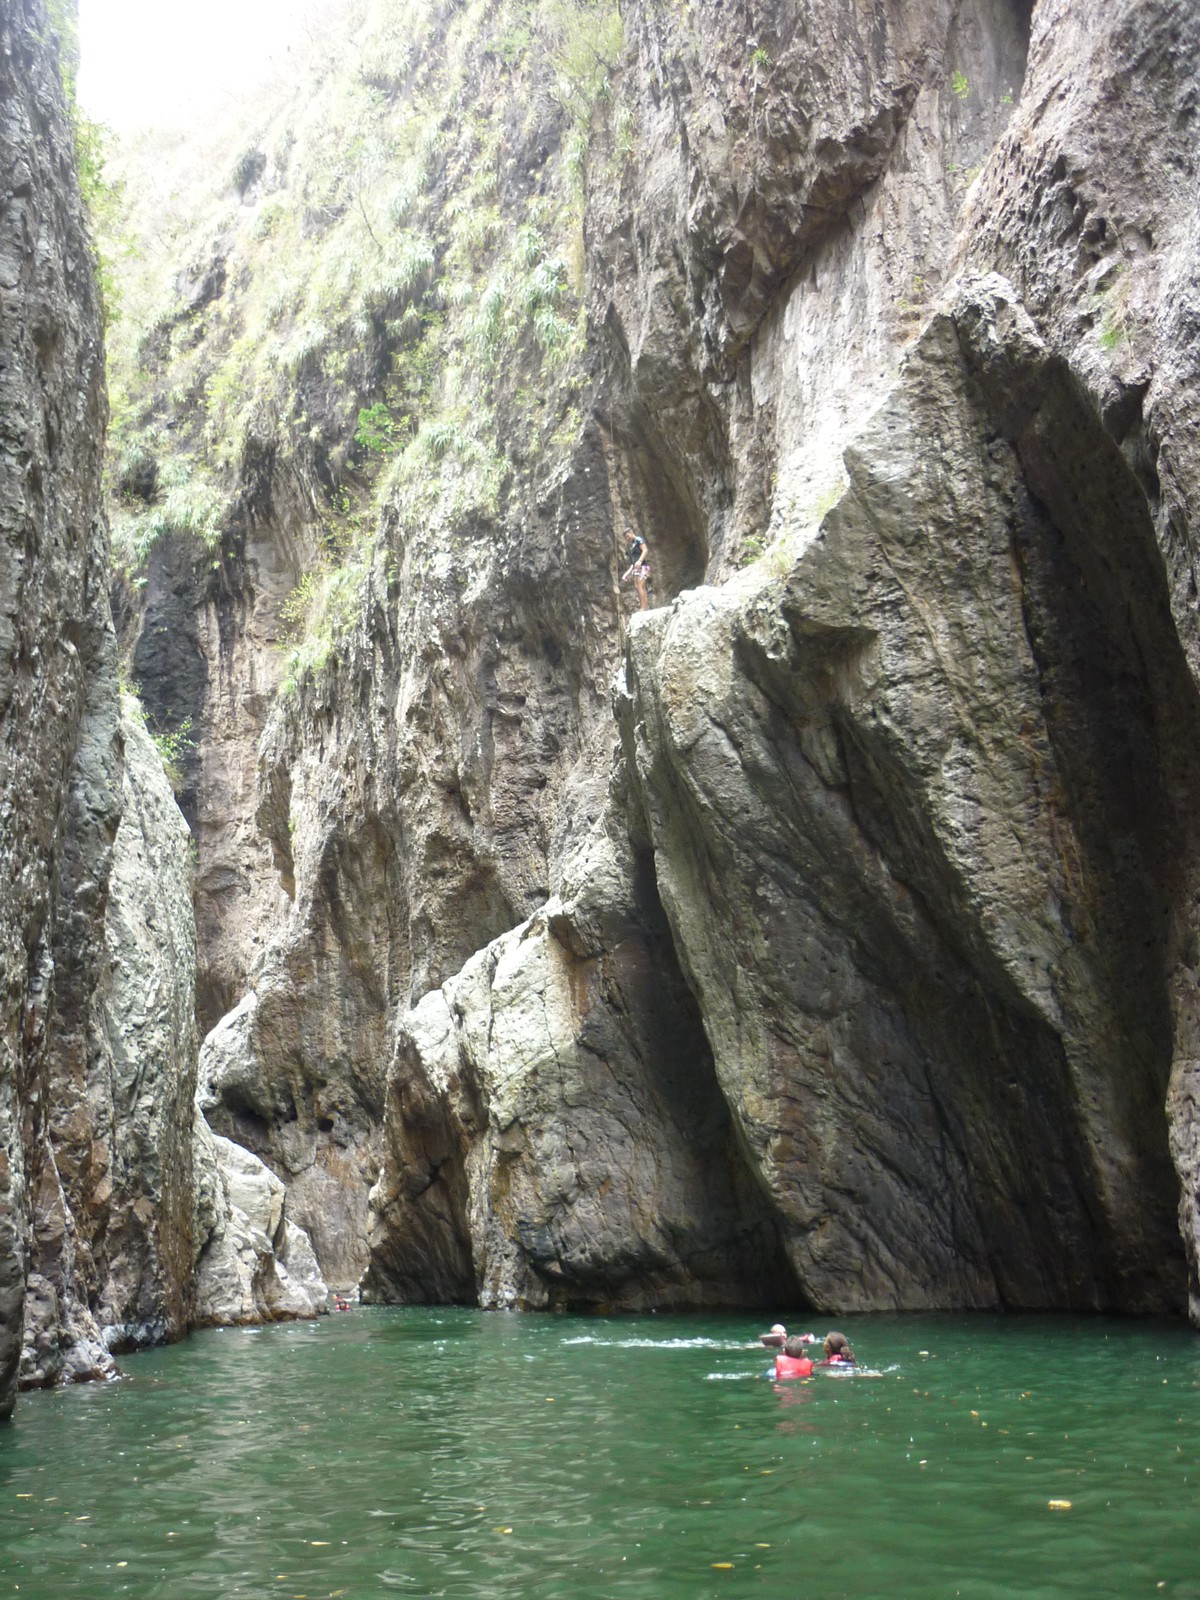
(392, 907)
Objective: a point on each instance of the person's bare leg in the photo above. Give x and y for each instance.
(640, 585)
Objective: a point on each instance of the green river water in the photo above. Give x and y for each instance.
(503, 1457)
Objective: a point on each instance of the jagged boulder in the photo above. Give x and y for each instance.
(253, 1265)
(555, 1135)
(266, 1075)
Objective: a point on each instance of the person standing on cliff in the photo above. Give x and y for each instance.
(639, 565)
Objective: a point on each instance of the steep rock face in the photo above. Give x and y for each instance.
(97, 954)
(930, 756)
(112, 1262)
(1090, 208)
(54, 630)
(416, 783)
(253, 1264)
(412, 800)
(914, 774)
(555, 1135)
(806, 168)
(935, 770)
(205, 656)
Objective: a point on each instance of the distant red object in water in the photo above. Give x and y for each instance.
(339, 1304)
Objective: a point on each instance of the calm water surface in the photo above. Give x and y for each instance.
(496, 1457)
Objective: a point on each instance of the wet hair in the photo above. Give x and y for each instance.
(795, 1347)
(836, 1345)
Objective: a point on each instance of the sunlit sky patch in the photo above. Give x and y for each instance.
(159, 62)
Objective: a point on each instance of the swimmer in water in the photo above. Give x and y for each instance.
(794, 1361)
(837, 1352)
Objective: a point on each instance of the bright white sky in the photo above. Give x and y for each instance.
(165, 62)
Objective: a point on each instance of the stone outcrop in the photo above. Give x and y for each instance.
(1089, 206)
(919, 781)
(55, 636)
(264, 1075)
(555, 1134)
(945, 937)
(930, 755)
(254, 1265)
(414, 787)
(111, 1266)
(98, 1037)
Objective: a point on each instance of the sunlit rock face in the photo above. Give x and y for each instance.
(112, 1261)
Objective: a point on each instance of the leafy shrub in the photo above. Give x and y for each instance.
(376, 431)
(173, 749)
(137, 472)
(187, 505)
(248, 169)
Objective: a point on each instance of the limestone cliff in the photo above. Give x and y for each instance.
(98, 1043)
(55, 634)
(861, 970)
(920, 782)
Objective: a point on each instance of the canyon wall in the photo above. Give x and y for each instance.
(918, 779)
(827, 935)
(101, 1223)
(57, 658)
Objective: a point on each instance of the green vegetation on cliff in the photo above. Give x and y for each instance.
(367, 296)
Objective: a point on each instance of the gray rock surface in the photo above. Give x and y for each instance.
(555, 1134)
(263, 1074)
(943, 943)
(254, 1264)
(893, 358)
(54, 627)
(111, 1267)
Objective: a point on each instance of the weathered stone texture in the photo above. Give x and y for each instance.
(920, 780)
(414, 795)
(894, 349)
(253, 1265)
(555, 1135)
(54, 629)
(111, 1267)
(933, 766)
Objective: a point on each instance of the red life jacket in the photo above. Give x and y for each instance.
(793, 1367)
